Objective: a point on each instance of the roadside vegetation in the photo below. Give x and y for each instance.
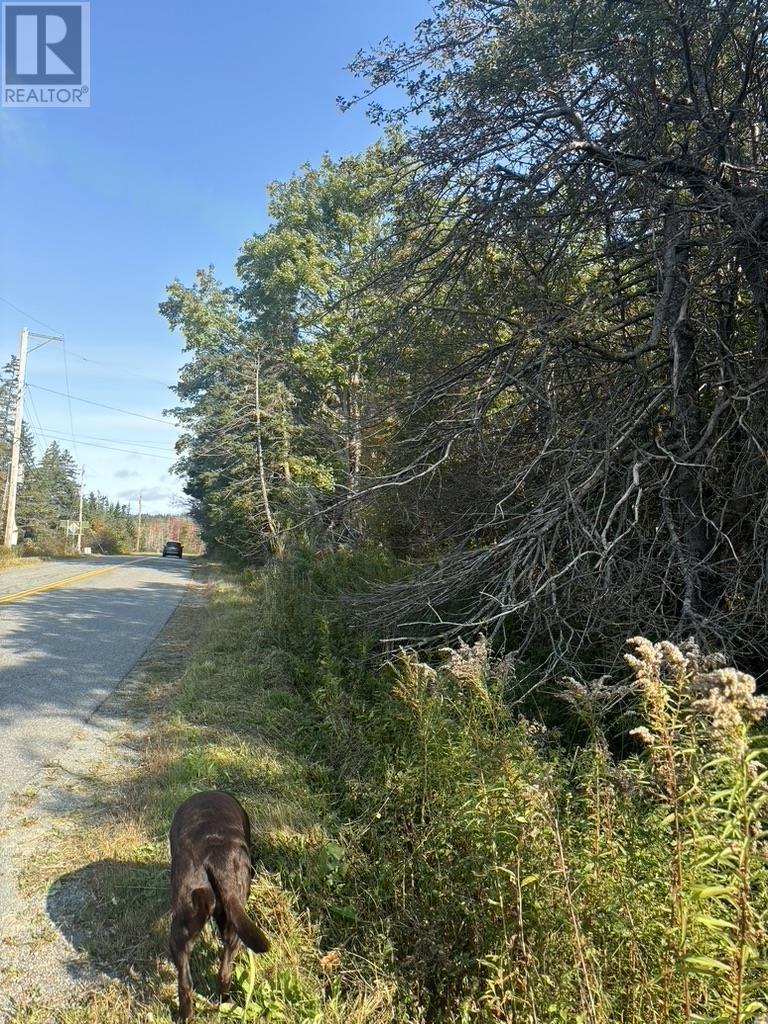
(519, 349)
(10, 560)
(429, 848)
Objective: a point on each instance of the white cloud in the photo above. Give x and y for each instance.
(151, 494)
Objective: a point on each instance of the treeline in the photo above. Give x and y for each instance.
(48, 501)
(48, 498)
(157, 529)
(522, 342)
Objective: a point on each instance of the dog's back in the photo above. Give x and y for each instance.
(209, 831)
(210, 875)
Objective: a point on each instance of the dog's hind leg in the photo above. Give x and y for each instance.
(230, 942)
(185, 927)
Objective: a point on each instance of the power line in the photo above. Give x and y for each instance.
(39, 431)
(29, 316)
(148, 447)
(155, 449)
(162, 447)
(36, 435)
(100, 405)
(78, 355)
(69, 398)
(123, 451)
(120, 369)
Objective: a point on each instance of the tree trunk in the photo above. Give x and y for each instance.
(260, 453)
(753, 253)
(686, 418)
(355, 431)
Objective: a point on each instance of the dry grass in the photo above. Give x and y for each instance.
(9, 560)
(223, 718)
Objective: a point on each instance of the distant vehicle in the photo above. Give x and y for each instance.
(172, 547)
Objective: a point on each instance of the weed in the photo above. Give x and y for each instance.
(427, 855)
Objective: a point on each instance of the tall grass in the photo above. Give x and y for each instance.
(9, 559)
(429, 854)
(493, 873)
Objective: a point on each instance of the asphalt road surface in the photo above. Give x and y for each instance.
(65, 649)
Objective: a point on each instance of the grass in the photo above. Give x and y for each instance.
(235, 721)
(426, 854)
(10, 560)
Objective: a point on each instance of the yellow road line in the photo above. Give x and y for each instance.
(63, 583)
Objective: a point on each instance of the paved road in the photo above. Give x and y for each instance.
(66, 649)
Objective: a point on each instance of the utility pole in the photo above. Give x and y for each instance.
(11, 532)
(80, 525)
(11, 535)
(138, 532)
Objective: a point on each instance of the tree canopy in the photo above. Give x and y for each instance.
(524, 341)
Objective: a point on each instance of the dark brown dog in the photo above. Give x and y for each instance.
(211, 873)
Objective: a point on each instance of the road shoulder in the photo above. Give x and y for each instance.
(238, 717)
(40, 965)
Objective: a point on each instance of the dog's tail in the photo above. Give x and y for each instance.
(249, 933)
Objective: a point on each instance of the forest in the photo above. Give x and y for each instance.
(483, 413)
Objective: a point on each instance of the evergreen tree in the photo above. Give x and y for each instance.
(50, 493)
(8, 378)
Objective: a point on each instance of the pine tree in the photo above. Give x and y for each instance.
(8, 378)
(50, 493)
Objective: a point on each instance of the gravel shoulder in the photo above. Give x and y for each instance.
(38, 914)
(64, 650)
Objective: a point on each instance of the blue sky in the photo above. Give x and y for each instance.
(196, 107)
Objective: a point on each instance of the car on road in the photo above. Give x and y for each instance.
(172, 547)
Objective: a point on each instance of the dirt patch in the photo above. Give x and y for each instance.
(43, 905)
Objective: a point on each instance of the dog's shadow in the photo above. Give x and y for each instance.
(114, 914)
